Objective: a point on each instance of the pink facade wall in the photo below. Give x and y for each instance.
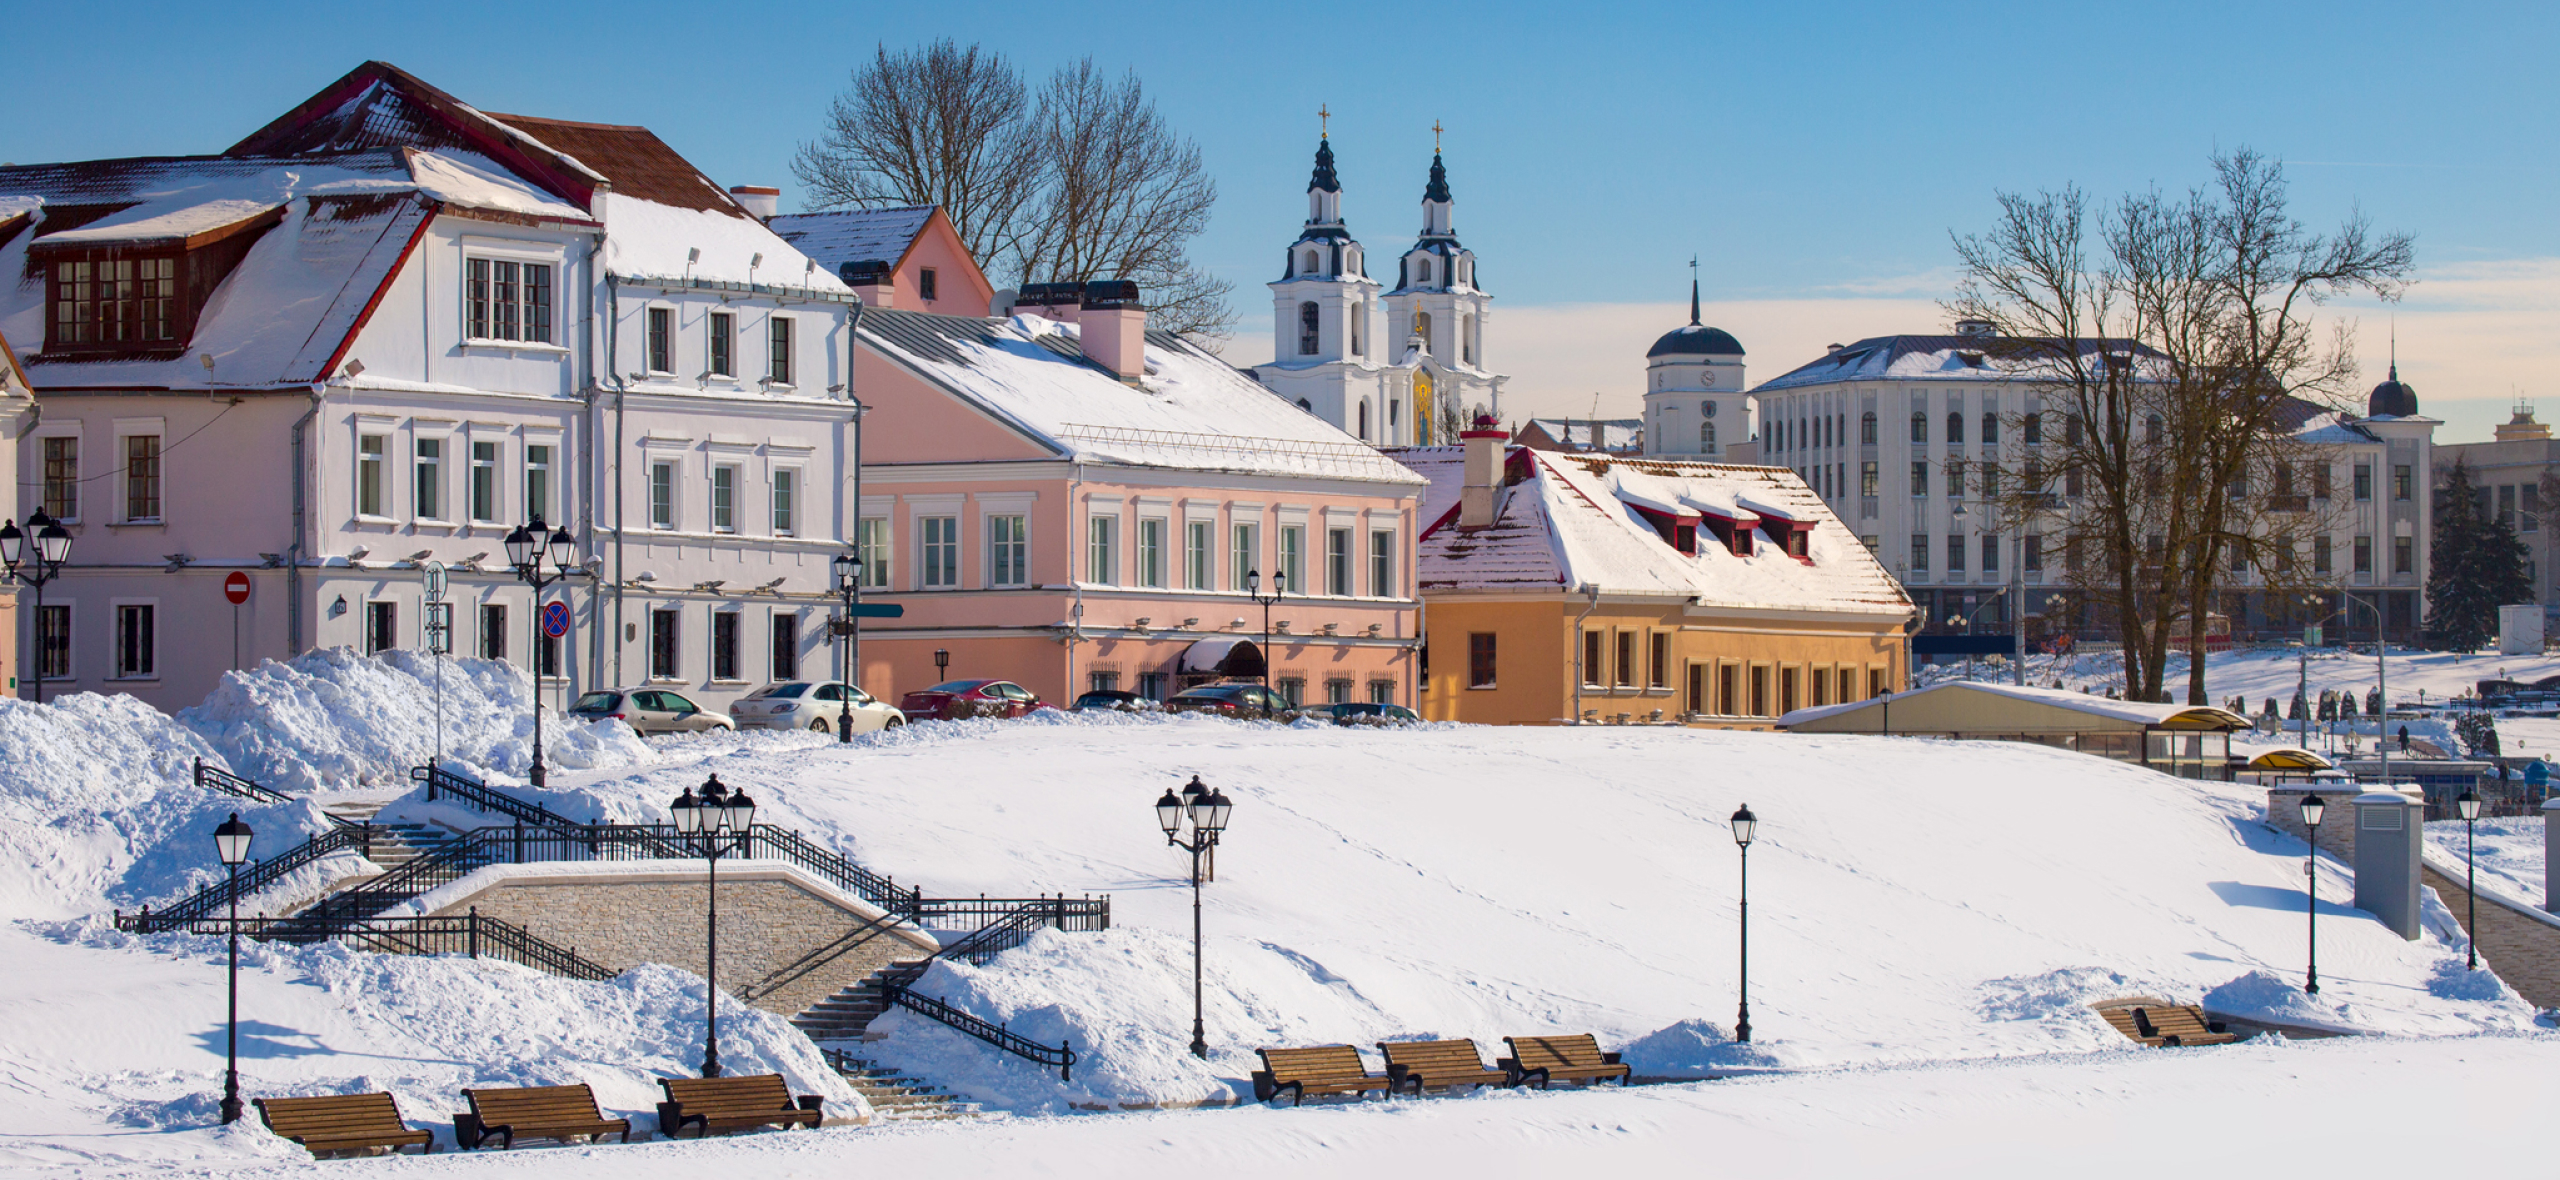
(959, 287)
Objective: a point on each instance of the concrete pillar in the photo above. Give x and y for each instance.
(2390, 831)
(2550, 856)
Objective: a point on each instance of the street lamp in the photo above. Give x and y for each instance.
(526, 546)
(231, 843)
(713, 823)
(848, 574)
(941, 663)
(1744, 825)
(1253, 590)
(2313, 807)
(52, 548)
(1207, 810)
(2468, 805)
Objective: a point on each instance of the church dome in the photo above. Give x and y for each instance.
(1696, 340)
(2391, 399)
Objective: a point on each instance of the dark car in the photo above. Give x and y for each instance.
(1232, 700)
(1114, 700)
(954, 700)
(1365, 713)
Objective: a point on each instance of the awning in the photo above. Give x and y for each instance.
(1222, 656)
(2289, 758)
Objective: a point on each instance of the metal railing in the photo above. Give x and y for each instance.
(219, 779)
(1010, 928)
(1063, 1057)
(249, 880)
(480, 796)
(789, 972)
(1065, 913)
(469, 935)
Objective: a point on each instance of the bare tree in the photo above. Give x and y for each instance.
(1086, 180)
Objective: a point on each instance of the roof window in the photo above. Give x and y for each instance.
(122, 286)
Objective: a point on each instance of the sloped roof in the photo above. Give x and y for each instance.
(634, 160)
(1940, 358)
(840, 236)
(1190, 410)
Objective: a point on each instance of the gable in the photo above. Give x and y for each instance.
(378, 105)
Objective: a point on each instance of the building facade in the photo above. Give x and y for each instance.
(1694, 404)
(2508, 474)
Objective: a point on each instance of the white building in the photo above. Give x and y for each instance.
(1694, 405)
(1396, 368)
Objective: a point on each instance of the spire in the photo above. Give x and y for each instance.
(2395, 348)
(1693, 291)
(1324, 179)
(1438, 190)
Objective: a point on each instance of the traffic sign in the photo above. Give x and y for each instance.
(555, 618)
(434, 574)
(236, 587)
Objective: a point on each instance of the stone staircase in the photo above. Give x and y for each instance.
(394, 844)
(847, 1015)
(895, 1097)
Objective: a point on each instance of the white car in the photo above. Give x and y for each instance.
(813, 704)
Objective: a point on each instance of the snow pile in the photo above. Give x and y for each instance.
(2509, 854)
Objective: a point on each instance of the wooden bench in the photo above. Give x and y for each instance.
(1437, 1064)
(1540, 1060)
(1324, 1069)
(2163, 1025)
(342, 1122)
(723, 1105)
(534, 1112)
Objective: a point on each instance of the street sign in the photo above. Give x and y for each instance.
(439, 627)
(236, 587)
(555, 618)
(434, 574)
(878, 610)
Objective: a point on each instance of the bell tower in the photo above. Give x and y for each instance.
(1438, 312)
(1326, 353)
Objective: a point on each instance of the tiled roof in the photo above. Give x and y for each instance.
(634, 159)
(841, 236)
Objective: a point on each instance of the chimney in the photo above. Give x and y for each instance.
(1485, 448)
(760, 202)
(1063, 302)
(1114, 328)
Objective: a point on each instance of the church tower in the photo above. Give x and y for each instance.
(1438, 313)
(1694, 407)
(1324, 322)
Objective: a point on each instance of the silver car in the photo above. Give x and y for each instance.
(648, 710)
(808, 704)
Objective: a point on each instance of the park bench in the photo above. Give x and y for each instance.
(2159, 1024)
(534, 1112)
(1324, 1069)
(342, 1122)
(1438, 1064)
(723, 1105)
(1540, 1060)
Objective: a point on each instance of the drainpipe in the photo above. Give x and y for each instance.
(1591, 596)
(852, 357)
(1075, 614)
(587, 476)
(621, 395)
(301, 521)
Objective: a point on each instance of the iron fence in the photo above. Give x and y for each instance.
(469, 935)
(219, 779)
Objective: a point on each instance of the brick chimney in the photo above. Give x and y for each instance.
(1485, 451)
(1114, 328)
(760, 202)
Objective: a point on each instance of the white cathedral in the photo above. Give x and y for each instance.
(1409, 374)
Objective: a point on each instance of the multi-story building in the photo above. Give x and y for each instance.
(2508, 475)
(387, 329)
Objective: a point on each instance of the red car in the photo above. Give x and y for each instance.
(953, 700)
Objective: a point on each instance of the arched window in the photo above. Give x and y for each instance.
(1990, 428)
(1422, 326)
(1955, 430)
(1867, 428)
(1467, 338)
(1422, 270)
(1310, 265)
(1364, 419)
(1919, 426)
(1707, 437)
(1777, 436)
(1308, 325)
(2154, 429)
(1359, 336)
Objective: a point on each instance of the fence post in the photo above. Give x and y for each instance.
(475, 932)
(431, 784)
(519, 841)
(368, 838)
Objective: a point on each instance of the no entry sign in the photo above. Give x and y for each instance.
(236, 587)
(555, 618)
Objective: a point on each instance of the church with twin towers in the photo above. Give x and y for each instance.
(1401, 366)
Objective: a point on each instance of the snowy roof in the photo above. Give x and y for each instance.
(1936, 358)
(851, 236)
(1611, 434)
(2137, 712)
(1190, 410)
(1571, 520)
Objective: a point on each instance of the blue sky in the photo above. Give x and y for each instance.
(1815, 156)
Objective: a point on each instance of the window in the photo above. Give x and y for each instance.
(871, 541)
(1292, 690)
(1151, 542)
(484, 482)
(53, 642)
(1382, 692)
(1247, 557)
(1102, 682)
(1990, 480)
(1595, 668)
(1308, 325)
(724, 498)
(2404, 555)
(2321, 562)
(512, 301)
(62, 477)
(1198, 539)
(142, 477)
(1955, 478)
(1759, 692)
(724, 645)
(2507, 506)
(1867, 477)
(369, 476)
(779, 354)
(429, 472)
(1382, 564)
(1008, 550)
(137, 648)
(2364, 481)
(926, 285)
(1990, 555)
(1626, 659)
(1955, 429)
(662, 340)
(1293, 555)
(1337, 562)
(1867, 428)
(1920, 552)
(663, 652)
(1955, 553)
(2155, 430)
(537, 481)
(1364, 419)
(109, 302)
(662, 494)
(1480, 659)
(786, 495)
(723, 337)
(1337, 690)
(2529, 508)
(940, 553)
(1151, 685)
(2033, 432)
(2400, 481)
(1658, 665)
(1707, 438)
(381, 626)
(1919, 478)
(546, 655)
(493, 631)
(2073, 483)
(1102, 560)
(1359, 345)
(786, 646)
(2030, 554)
(2320, 481)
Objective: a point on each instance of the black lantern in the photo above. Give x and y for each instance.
(1253, 590)
(519, 544)
(231, 841)
(34, 556)
(2313, 808)
(1744, 824)
(563, 548)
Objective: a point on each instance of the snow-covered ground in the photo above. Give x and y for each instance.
(2258, 675)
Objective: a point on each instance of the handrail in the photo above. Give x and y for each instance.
(820, 957)
(1006, 932)
(248, 881)
(218, 779)
(480, 796)
(1064, 1056)
(459, 934)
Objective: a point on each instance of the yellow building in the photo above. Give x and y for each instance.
(1558, 586)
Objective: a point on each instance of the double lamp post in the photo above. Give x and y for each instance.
(713, 823)
(1206, 810)
(51, 545)
(527, 545)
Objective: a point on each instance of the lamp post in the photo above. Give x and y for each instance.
(941, 663)
(231, 843)
(1744, 825)
(52, 548)
(713, 823)
(1253, 590)
(527, 545)
(848, 574)
(2467, 804)
(1207, 811)
(2313, 807)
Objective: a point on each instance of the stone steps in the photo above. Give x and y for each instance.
(895, 1097)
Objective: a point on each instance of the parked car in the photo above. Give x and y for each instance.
(953, 700)
(1365, 713)
(806, 704)
(1114, 700)
(1232, 700)
(648, 710)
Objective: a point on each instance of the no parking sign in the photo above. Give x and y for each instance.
(555, 618)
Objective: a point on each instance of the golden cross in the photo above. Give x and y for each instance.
(1327, 117)
(1435, 137)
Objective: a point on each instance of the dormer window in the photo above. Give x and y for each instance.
(133, 281)
(115, 303)
(505, 300)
